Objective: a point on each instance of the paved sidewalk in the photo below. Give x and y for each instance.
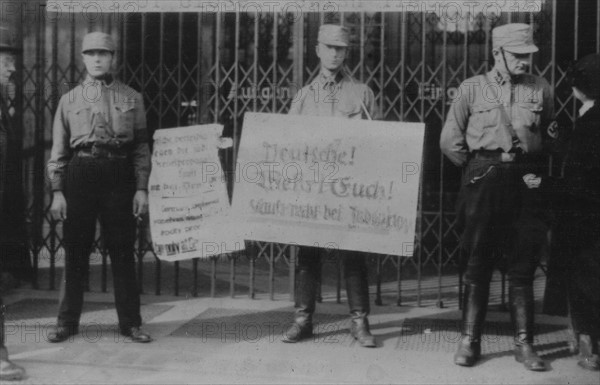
(225, 340)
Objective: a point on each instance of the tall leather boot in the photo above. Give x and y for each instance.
(357, 289)
(9, 371)
(522, 315)
(306, 297)
(475, 301)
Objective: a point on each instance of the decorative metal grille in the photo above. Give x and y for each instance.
(213, 67)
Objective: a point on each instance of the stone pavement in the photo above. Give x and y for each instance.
(236, 340)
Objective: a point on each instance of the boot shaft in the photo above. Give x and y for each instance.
(475, 301)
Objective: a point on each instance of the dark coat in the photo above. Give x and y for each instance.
(14, 253)
(576, 201)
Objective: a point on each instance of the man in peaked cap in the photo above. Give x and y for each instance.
(495, 130)
(98, 168)
(12, 219)
(353, 100)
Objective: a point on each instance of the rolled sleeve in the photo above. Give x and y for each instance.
(452, 139)
(61, 151)
(141, 150)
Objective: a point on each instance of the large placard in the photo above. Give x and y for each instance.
(329, 182)
(189, 205)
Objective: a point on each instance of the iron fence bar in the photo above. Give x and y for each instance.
(179, 61)
(140, 251)
(378, 300)
(232, 265)
(272, 271)
(403, 29)
(338, 287)
(255, 65)
(213, 276)
(399, 281)
(320, 276)
(176, 280)
(199, 120)
(251, 278)
(575, 50)
(597, 28)
(361, 62)
(104, 274)
(217, 64)
(422, 114)
(382, 64)
(195, 277)
(440, 303)
(40, 149)
(292, 271)
(275, 59)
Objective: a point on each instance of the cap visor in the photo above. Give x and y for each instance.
(522, 49)
(334, 43)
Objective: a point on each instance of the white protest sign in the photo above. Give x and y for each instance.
(329, 182)
(189, 206)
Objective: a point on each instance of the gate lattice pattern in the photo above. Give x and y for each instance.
(213, 67)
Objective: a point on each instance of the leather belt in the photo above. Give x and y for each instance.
(500, 156)
(100, 152)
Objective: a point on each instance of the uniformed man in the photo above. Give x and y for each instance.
(333, 93)
(99, 168)
(495, 131)
(11, 194)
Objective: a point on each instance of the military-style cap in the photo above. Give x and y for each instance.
(98, 41)
(332, 34)
(585, 75)
(514, 38)
(8, 41)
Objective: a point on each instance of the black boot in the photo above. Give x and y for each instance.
(359, 329)
(521, 312)
(306, 296)
(588, 355)
(357, 289)
(475, 300)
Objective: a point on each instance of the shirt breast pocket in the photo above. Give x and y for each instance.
(530, 115)
(486, 116)
(350, 110)
(125, 118)
(80, 120)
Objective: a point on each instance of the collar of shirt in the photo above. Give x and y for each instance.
(500, 77)
(107, 81)
(330, 81)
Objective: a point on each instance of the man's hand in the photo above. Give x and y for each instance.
(58, 209)
(532, 181)
(140, 204)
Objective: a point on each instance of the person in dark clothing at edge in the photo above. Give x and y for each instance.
(495, 130)
(14, 256)
(353, 100)
(100, 159)
(576, 200)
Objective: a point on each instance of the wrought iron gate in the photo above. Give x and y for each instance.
(215, 66)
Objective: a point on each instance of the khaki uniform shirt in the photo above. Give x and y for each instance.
(338, 96)
(476, 120)
(94, 113)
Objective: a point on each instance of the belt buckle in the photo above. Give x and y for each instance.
(99, 152)
(507, 157)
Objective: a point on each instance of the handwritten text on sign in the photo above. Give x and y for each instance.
(329, 182)
(189, 205)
